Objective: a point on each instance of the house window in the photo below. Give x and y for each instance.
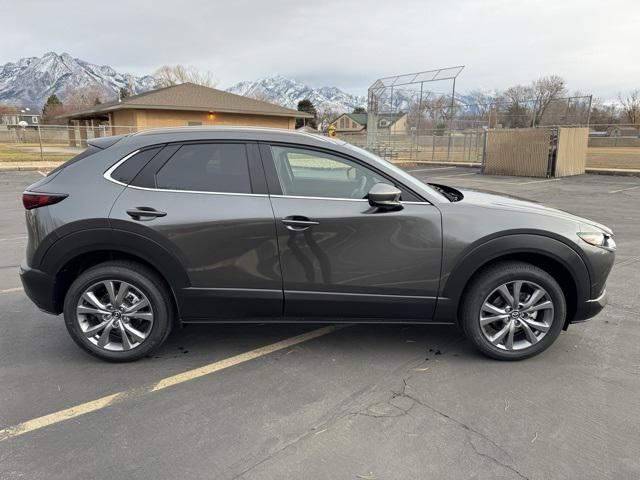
(34, 119)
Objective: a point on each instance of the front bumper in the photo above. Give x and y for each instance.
(590, 308)
(40, 288)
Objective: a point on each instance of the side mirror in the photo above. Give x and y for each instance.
(383, 195)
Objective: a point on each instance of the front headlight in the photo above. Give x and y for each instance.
(598, 239)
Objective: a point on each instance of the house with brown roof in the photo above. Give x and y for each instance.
(186, 104)
(350, 122)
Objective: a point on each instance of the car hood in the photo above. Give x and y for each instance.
(508, 202)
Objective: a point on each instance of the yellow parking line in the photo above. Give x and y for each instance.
(9, 290)
(100, 403)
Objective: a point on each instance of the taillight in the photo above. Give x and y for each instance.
(34, 200)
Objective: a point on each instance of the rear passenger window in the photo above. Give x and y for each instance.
(126, 172)
(221, 167)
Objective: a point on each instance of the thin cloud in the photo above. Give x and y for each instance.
(347, 44)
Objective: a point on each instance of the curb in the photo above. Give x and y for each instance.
(627, 172)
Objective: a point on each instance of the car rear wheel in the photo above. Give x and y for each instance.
(513, 311)
(118, 311)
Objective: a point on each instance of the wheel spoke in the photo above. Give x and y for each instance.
(497, 338)
(91, 298)
(540, 326)
(508, 344)
(136, 334)
(504, 291)
(488, 307)
(148, 316)
(122, 292)
(517, 286)
(126, 343)
(484, 321)
(92, 331)
(535, 296)
(106, 334)
(137, 306)
(541, 306)
(111, 291)
(83, 309)
(529, 333)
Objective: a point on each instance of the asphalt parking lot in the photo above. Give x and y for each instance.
(360, 402)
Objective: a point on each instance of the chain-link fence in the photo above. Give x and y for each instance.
(48, 145)
(461, 140)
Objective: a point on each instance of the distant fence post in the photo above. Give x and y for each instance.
(40, 142)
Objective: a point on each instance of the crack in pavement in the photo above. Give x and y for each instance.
(495, 460)
(402, 393)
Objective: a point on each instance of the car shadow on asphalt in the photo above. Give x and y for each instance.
(384, 339)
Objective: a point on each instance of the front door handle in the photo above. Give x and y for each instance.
(298, 223)
(145, 213)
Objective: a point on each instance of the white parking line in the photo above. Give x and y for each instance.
(539, 181)
(431, 169)
(42, 173)
(455, 175)
(624, 189)
(100, 403)
(9, 239)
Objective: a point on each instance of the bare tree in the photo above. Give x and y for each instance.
(515, 112)
(82, 98)
(631, 106)
(169, 75)
(325, 116)
(544, 91)
(483, 103)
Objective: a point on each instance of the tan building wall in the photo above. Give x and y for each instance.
(143, 119)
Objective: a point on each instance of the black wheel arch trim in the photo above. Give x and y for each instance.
(481, 254)
(66, 248)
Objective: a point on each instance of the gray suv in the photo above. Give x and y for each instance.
(256, 225)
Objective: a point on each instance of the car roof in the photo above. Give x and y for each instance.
(177, 134)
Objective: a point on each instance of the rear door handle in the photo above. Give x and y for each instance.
(145, 213)
(297, 223)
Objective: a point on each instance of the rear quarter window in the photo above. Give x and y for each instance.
(126, 172)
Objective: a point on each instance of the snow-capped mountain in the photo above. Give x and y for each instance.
(288, 92)
(30, 81)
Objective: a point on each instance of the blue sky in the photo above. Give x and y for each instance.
(593, 45)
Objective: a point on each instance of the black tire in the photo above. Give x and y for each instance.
(142, 278)
(490, 278)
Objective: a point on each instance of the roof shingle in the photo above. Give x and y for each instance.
(189, 96)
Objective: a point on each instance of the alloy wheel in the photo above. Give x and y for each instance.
(516, 315)
(114, 315)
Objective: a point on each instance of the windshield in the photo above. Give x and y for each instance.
(404, 175)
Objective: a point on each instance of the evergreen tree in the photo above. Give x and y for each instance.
(124, 92)
(307, 106)
(52, 108)
(359, 110)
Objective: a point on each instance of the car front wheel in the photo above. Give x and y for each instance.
(513, 311)
(118, 311)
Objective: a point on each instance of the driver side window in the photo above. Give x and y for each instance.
(307, 173)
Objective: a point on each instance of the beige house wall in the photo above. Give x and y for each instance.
(143, 119)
